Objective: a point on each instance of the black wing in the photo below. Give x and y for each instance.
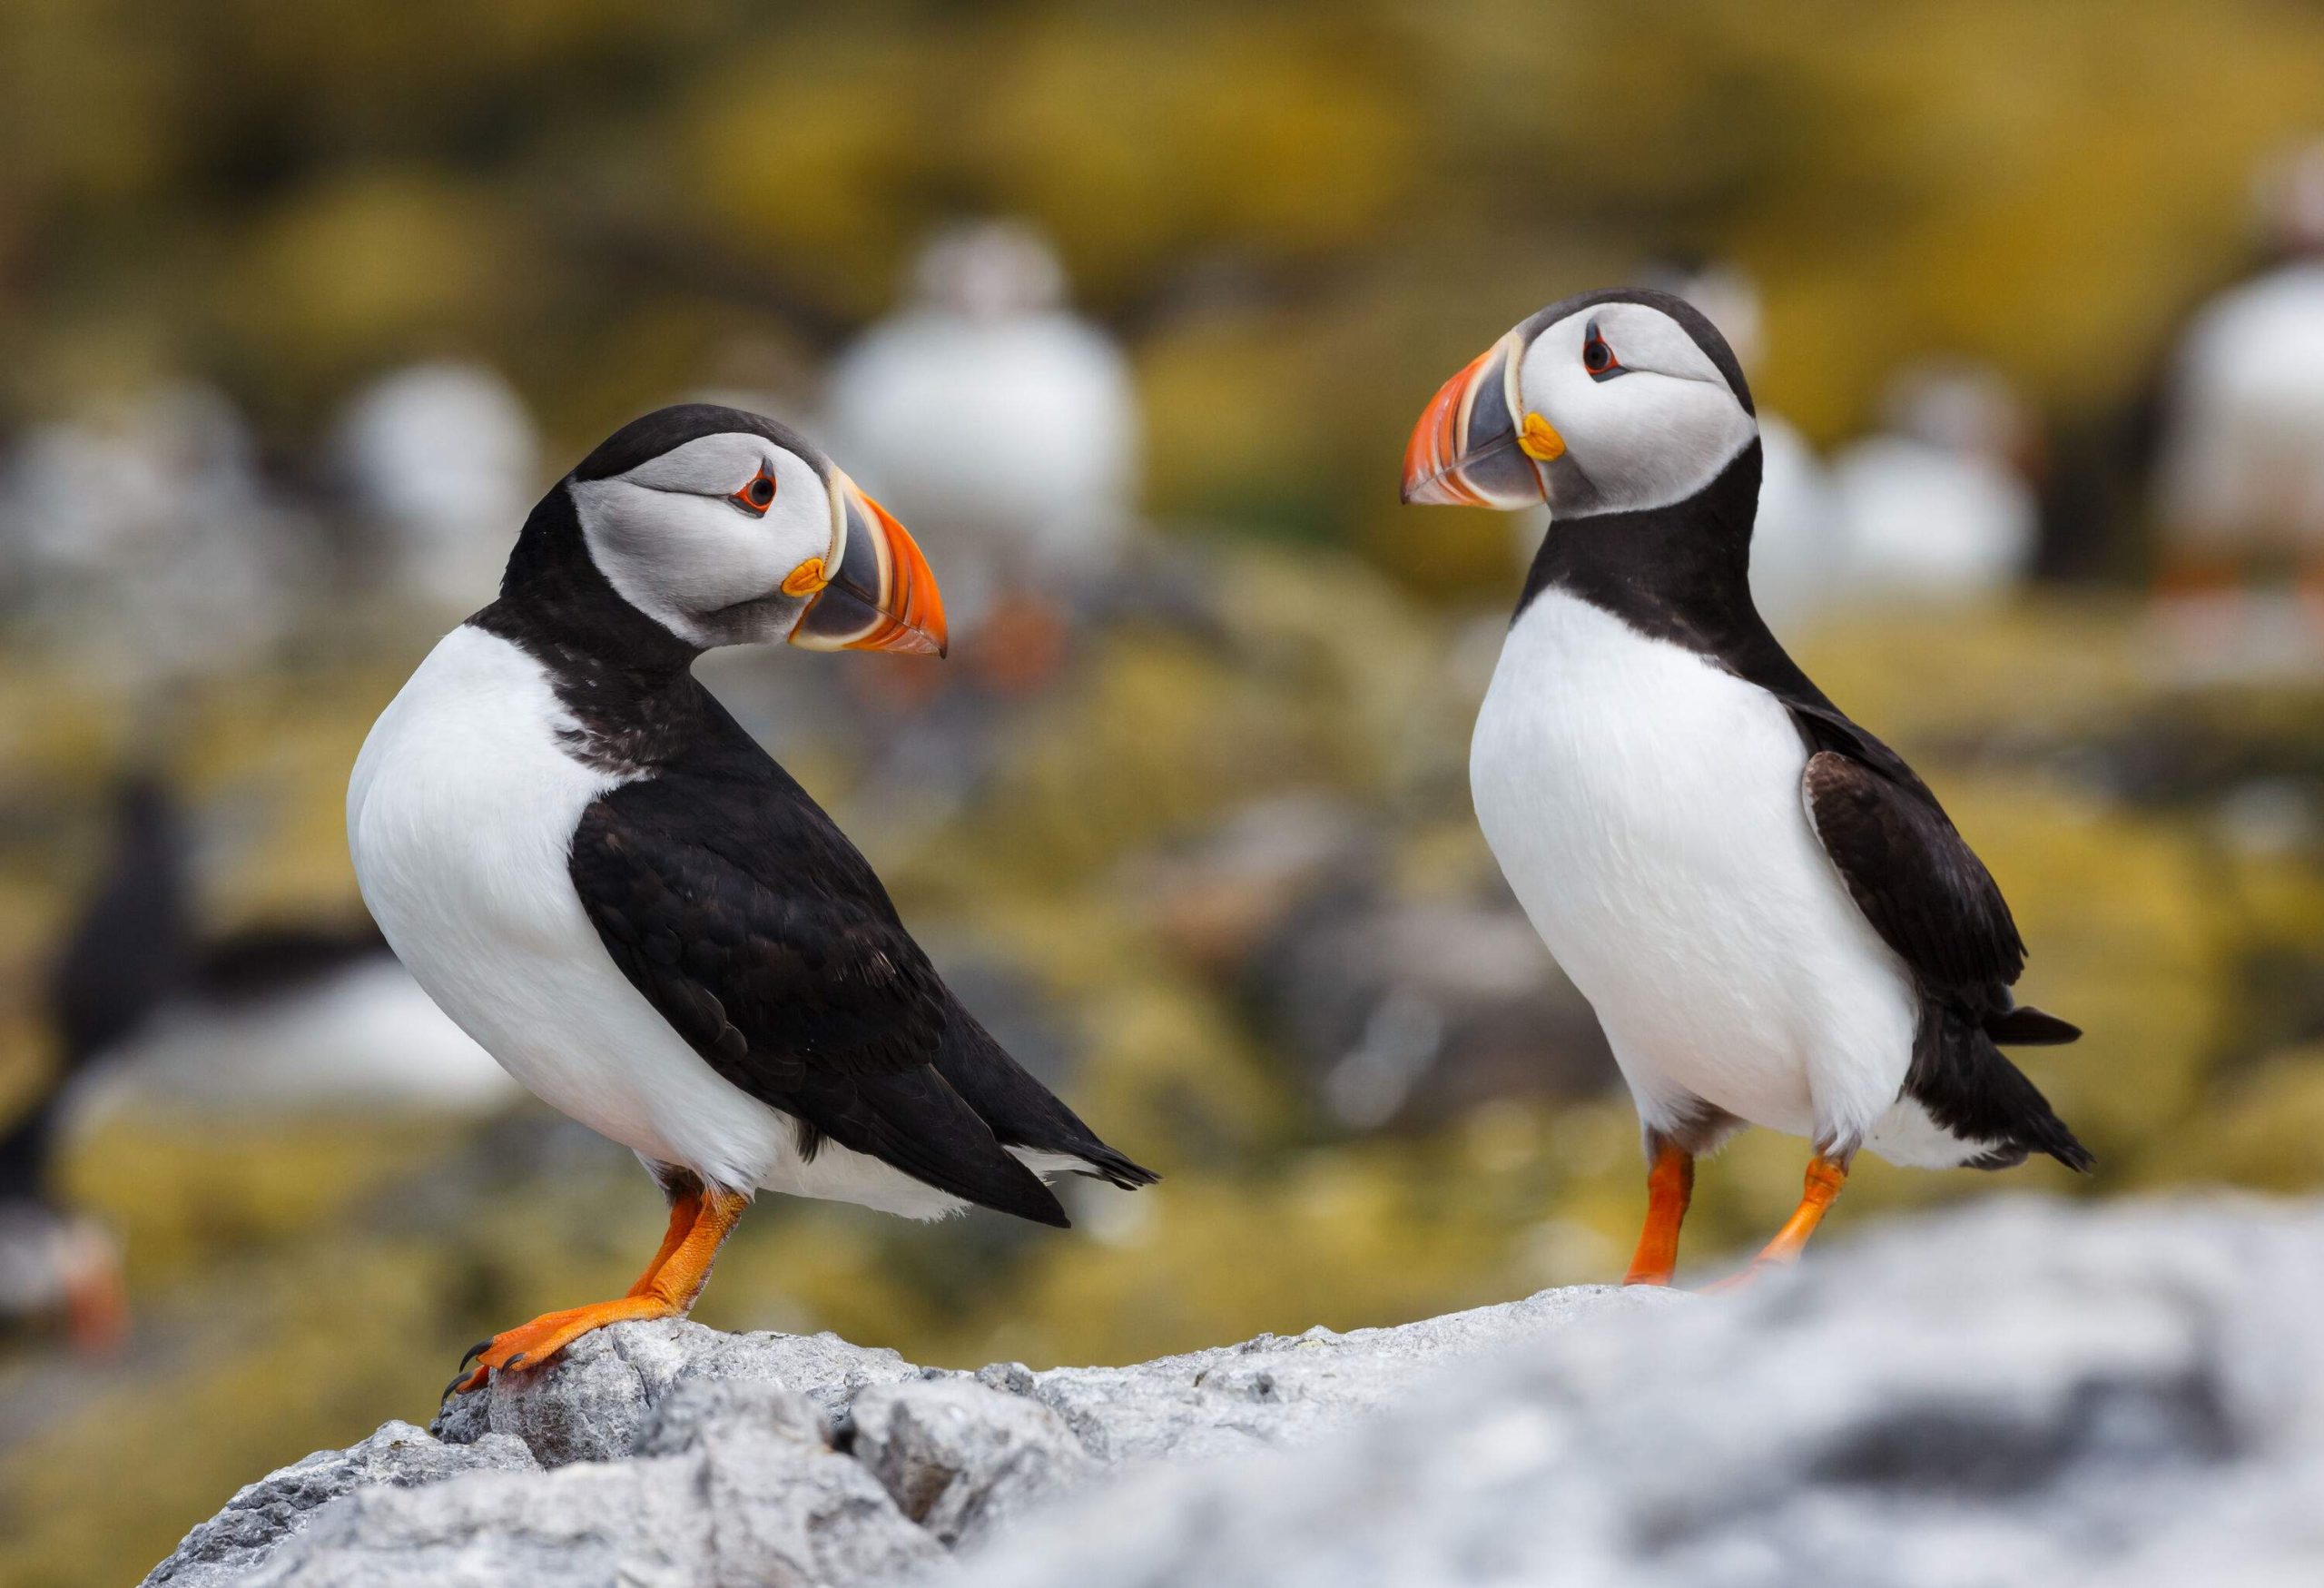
(756, 930)
(1933, 900)
(1910, 871)
(1914, 876)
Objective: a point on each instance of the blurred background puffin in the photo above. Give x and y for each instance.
(988, 413)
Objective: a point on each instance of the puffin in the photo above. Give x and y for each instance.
(278, 1018)
(1938, 509)
(986, 409)
(609, 884)
(438, 459)
(144, 546)
(1772, 915)
(125, 951)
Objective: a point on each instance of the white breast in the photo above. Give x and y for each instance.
(460, 816)
(1646, 807)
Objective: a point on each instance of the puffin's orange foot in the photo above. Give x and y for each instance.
(529, 1344)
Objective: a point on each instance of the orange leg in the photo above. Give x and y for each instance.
(700, 1222)
(686, 1208)
(2197, 573)
(1825, 1176)
(1669, 1187)
(1022, 645)
(97, 1303)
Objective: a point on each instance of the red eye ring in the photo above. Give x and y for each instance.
(758, 496)
(1597, 357)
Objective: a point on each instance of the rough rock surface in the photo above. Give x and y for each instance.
(2025, 1392)
(264, 1514)
(670, 1453)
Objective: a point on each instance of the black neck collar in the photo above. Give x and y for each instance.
(556, 602)
(624, 678)
(1680, 573)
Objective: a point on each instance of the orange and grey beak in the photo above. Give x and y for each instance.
(1470, 449)
(874, 592)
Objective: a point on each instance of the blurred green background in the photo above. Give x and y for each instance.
(1297, 220)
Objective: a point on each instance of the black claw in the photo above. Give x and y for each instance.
(515, 1362)
(478, 1350)
(452, 1388)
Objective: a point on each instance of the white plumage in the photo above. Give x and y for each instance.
(1646, 807)
(995, 420)
(460, 816)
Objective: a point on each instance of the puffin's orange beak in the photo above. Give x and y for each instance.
(1466, 452)
(875, 593)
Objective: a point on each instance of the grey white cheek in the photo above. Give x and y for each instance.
(1660, 442)
(680, 559)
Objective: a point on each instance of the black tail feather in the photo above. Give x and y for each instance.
(1113, 1167)
(1970, 1088)
(1020, 1110)
(2028, 1027)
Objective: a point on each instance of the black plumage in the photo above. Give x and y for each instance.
(736, 906)
(1683, 574)
(126, 952)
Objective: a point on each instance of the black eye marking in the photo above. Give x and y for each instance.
(1597, 357)
(758, 496)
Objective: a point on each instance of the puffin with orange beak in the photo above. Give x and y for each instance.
(610, 886)
(1773, 917)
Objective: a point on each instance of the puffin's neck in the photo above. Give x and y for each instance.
(623, 677)
(1680, 573)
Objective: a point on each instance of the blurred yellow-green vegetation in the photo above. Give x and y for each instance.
(1299, 217)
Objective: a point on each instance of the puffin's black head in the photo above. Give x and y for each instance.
(728, 529)
(1615, 401)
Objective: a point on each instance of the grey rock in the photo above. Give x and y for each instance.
(2131, 1395)
(2023, 1394)
(733, 1484)
(640, 1421)
(596, 1401)
(697, 1405)
(264, 1514)
(740, 1510)
(1277, 1390)
(963, 1458)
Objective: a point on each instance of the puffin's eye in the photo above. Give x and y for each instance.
(1597, 357)
(758, 496)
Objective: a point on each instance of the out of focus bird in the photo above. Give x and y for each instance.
(122, 957)
(2241, 476)
(301, 1019)
(1939, 507)
(144, 545)
(1772, 917)
(988, 413)
(602, 877)
(439, 460)
(285, 1018)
